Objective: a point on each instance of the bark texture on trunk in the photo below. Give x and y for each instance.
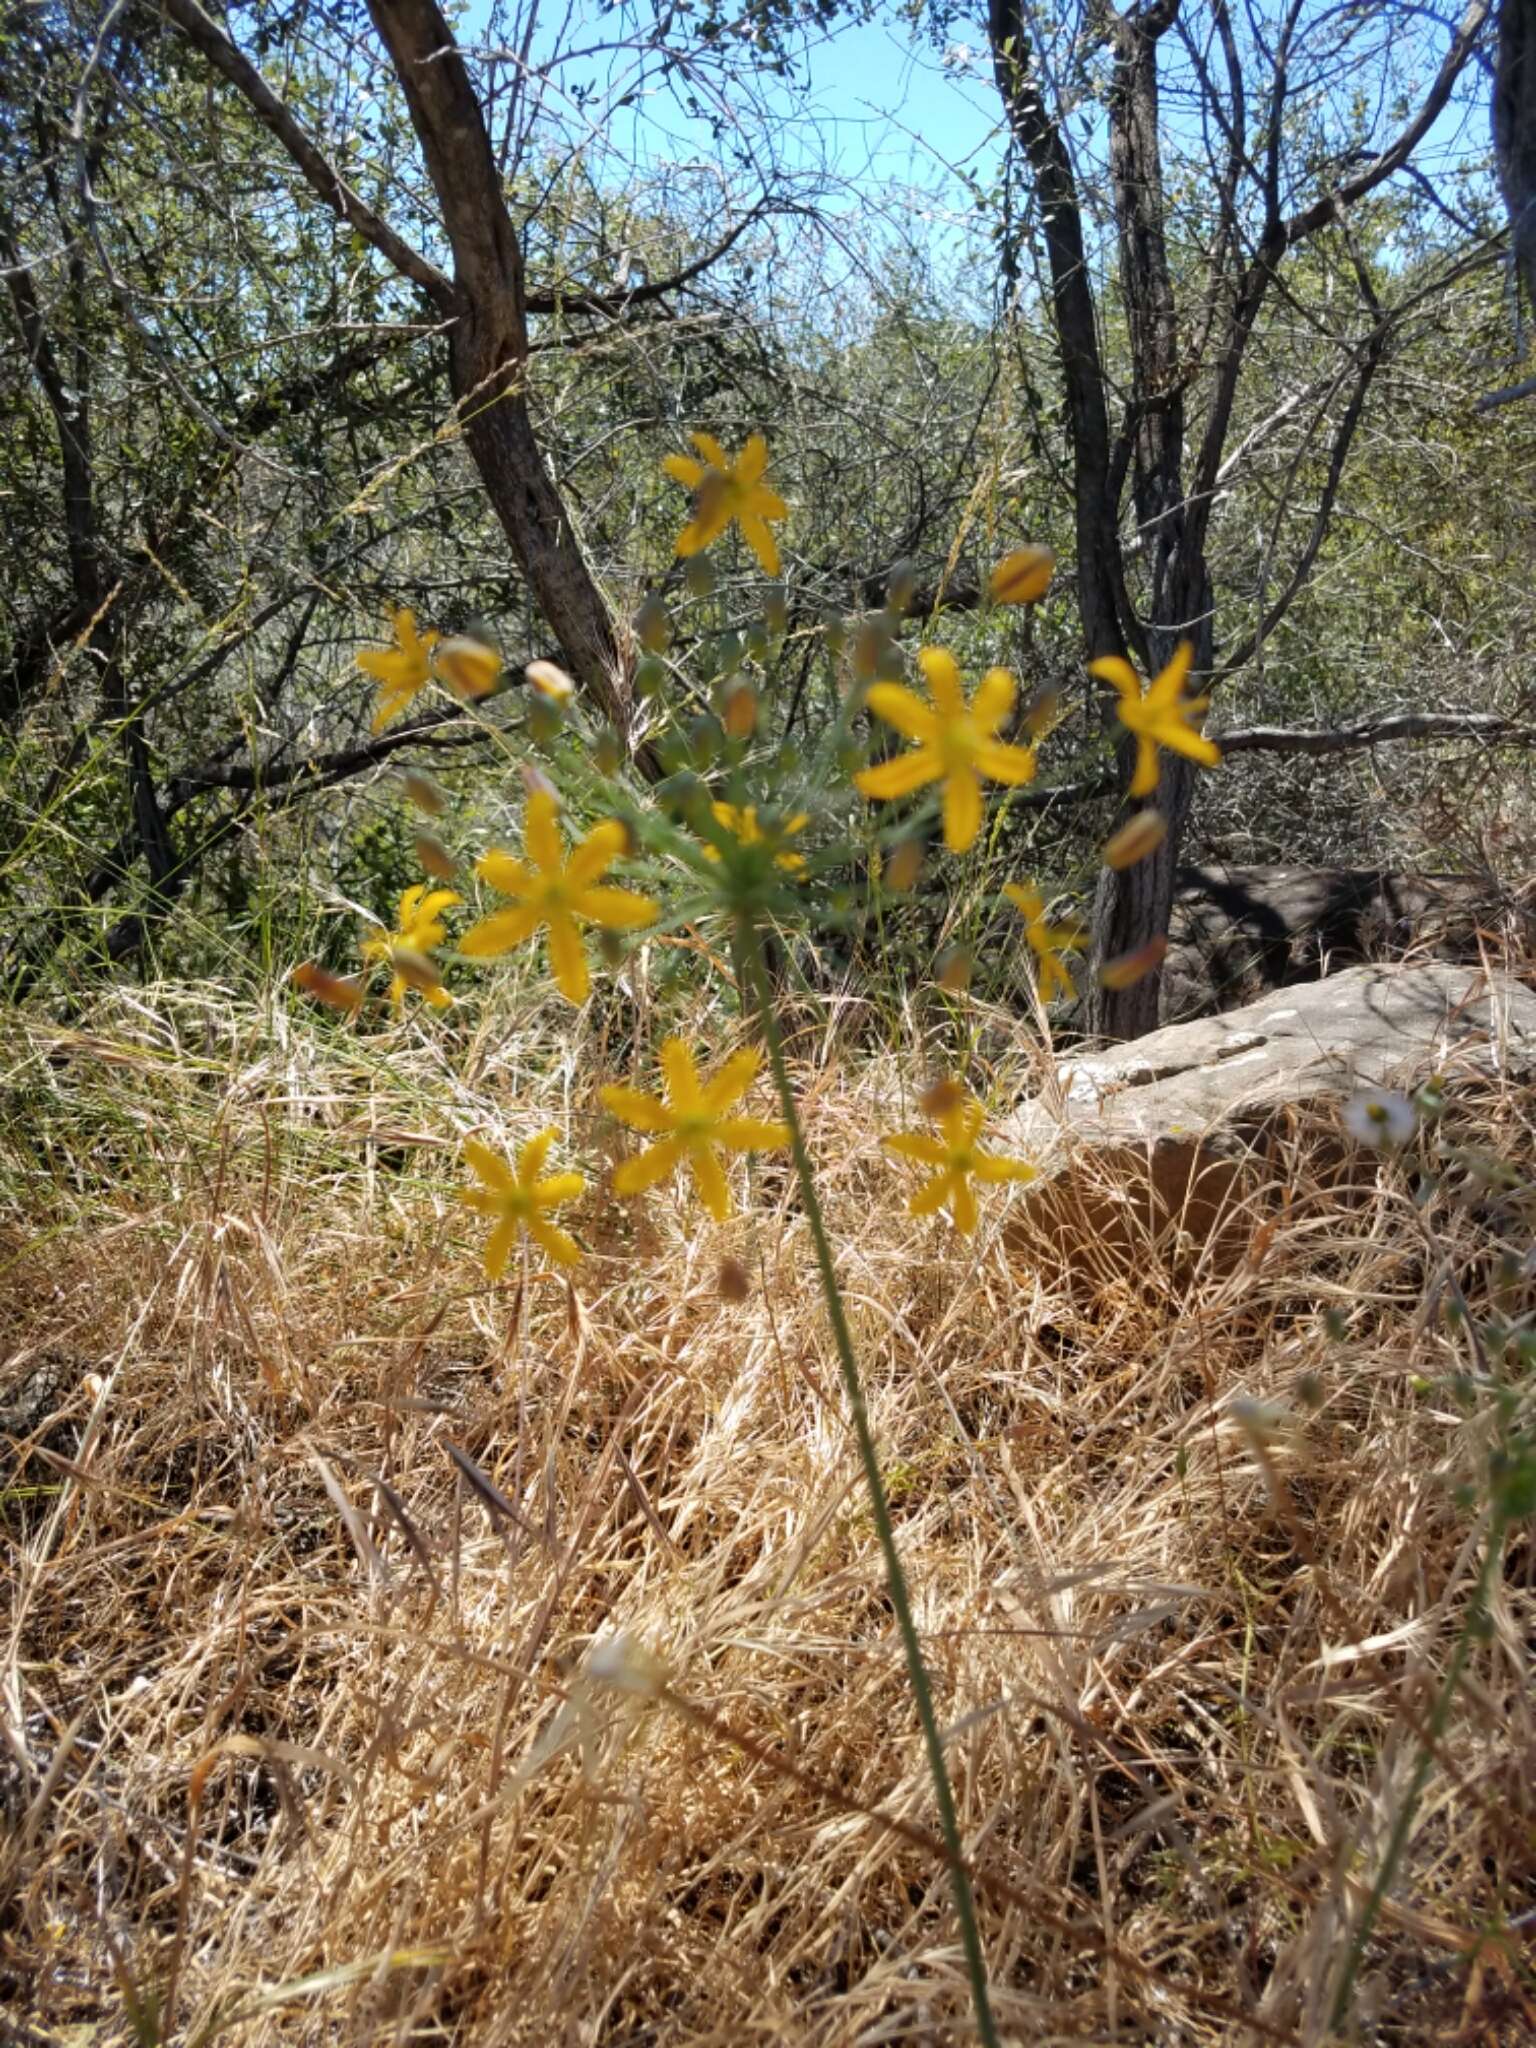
(1171, 487)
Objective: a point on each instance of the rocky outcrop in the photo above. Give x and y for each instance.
(1236, 932)
(1164, 1137)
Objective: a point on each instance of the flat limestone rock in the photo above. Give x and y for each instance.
(1168, 1133)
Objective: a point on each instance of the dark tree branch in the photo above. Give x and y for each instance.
(1328, 209)
(1075, 319)
(615, 303)
(205, 34)
(1379, 730)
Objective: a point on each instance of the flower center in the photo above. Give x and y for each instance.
(957, 743)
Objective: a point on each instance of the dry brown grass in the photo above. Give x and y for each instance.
(1188, 1569)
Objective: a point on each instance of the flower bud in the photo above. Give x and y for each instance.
(1138, 837)
(955, 970)
(414, 969)
(468, 667)
(424, 793)
(653, 624)
(733, 1280)
(551, 681)
(739, 713)
(650, 677)
(1135, 966)
(435, 857)
(903, 865)
(901, 589)
(1024, 576)
(336, 991)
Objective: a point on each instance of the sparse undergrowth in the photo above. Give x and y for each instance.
(305, 1742)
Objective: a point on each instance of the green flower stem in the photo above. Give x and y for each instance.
(917, 1671)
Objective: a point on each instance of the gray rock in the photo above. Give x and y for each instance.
(1169, 1134)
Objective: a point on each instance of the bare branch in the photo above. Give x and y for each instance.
(1378, 731)
(617, 302)
(205, 34)
(1397, 153)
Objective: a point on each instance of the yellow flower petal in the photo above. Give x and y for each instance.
(711, 451)
(901, 775)
(710, 1180)
(941, 672)
(492, 1169)
(1144, 781)
(996, 1168)
(500, 932)
(752, 460)
(507, 875)
(930, 1197)
(641, 1112)
(634, 1176)
(732, 1081)
(498, 1247)
(530, 1160)
(617, 910)
(962, 1205)
(1179, 739)
(681, 1075)
(1113, 668)
(915, 1145)
(567, 959)
(754, 531)
(684, 470)
(962, 810)
(558, 1189)
(706, 527)
(1005, 763)
(1169, 685)
(904, 709)
(559, 1245)
(751, 1134)
(541, 834)
(603, 845)
(994, 699)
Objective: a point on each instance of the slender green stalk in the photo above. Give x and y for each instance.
(917, 1671)
(1397, 1841)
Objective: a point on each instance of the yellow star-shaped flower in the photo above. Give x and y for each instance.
(957, 742)
(958, 1158)
(742, 822)
(409, 949)
(400, 671)
(556, 892)
(518, 1201)
(693, 1124)
(1162, 717)
(725, 491)
(1047, 941)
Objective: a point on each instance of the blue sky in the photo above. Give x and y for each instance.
(881, 129)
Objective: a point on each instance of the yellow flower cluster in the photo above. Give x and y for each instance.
(464, 665)
(692, 1122)
(957, 741)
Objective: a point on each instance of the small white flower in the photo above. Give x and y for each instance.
(620, 1661)
(1380, 1117)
